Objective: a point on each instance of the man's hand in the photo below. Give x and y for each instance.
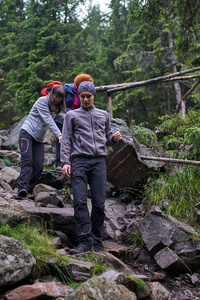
(117, 136)
(66, 170)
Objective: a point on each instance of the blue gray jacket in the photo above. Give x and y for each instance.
(86, 132)
(40, 119)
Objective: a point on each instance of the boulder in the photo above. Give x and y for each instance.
(12, 141)
(101, 288)
(16, 262)
(39, 290)
(130, 282)
(159, 292)
(11, 212)
(10, 175)
(161, 232)
(54, 178)
(124, 166)
(49, 198)
(12, 157)
(61, 219)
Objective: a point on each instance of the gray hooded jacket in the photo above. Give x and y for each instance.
(40, 119)
(86, 132)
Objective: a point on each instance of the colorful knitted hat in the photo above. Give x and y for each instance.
(87, 86)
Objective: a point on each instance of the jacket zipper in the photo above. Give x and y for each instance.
(94, 139)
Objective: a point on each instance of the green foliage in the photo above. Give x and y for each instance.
(42, 41)
(35, 238)
(141, 284)
(194, 238)
(181, 190)
(6, 160)
(49, 168)
(144, 136)
(65, 194)
(135, 240)
(181, 137)
(98, 265)
(40, 242)
(170, 124)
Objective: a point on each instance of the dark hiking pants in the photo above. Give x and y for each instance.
(32, 160)
(92, 171)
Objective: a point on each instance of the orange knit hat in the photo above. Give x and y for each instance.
(82, 77)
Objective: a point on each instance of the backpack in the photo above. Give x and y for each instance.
(49, 86)
(71, 96)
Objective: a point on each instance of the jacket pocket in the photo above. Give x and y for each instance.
(80, 142)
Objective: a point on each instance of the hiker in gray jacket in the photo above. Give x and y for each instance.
(32, 134)
(86, 132)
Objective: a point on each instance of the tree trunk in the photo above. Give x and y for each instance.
(177, 87)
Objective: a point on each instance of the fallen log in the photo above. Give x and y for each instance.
(171, 77)
(172, 160)
(151, 81)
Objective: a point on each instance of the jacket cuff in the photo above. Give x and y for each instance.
(65, 163)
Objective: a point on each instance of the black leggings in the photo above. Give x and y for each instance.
(32, 160)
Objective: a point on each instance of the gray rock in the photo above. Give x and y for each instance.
(5, 185)
(16, 262)
(99, 288)
(12, 156)
(2, 164)
(39, 290)
(159, 292)
(62, 219)
(124, 166)
(49, 159)
(50, 138)
(49, 198)
(10, 176)
(160, 231)
(44, 188)
(12, 143)
(168, 260)
(11, 212)
(54, 178)
(128, 282)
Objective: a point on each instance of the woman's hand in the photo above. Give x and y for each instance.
(60, 138)
(66, 170)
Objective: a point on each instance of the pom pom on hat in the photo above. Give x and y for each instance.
(82, 77)
(87, 86)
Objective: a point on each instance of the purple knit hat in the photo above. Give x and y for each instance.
(87, 86)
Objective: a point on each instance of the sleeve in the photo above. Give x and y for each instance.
(45, 114)
(66, 140)
(108, 132)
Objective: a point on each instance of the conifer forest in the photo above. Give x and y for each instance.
(134, 41)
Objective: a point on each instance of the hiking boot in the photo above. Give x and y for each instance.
(80, 249)
(22, 193)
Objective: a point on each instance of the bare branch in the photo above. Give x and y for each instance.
(172, 160)
(187, 94)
